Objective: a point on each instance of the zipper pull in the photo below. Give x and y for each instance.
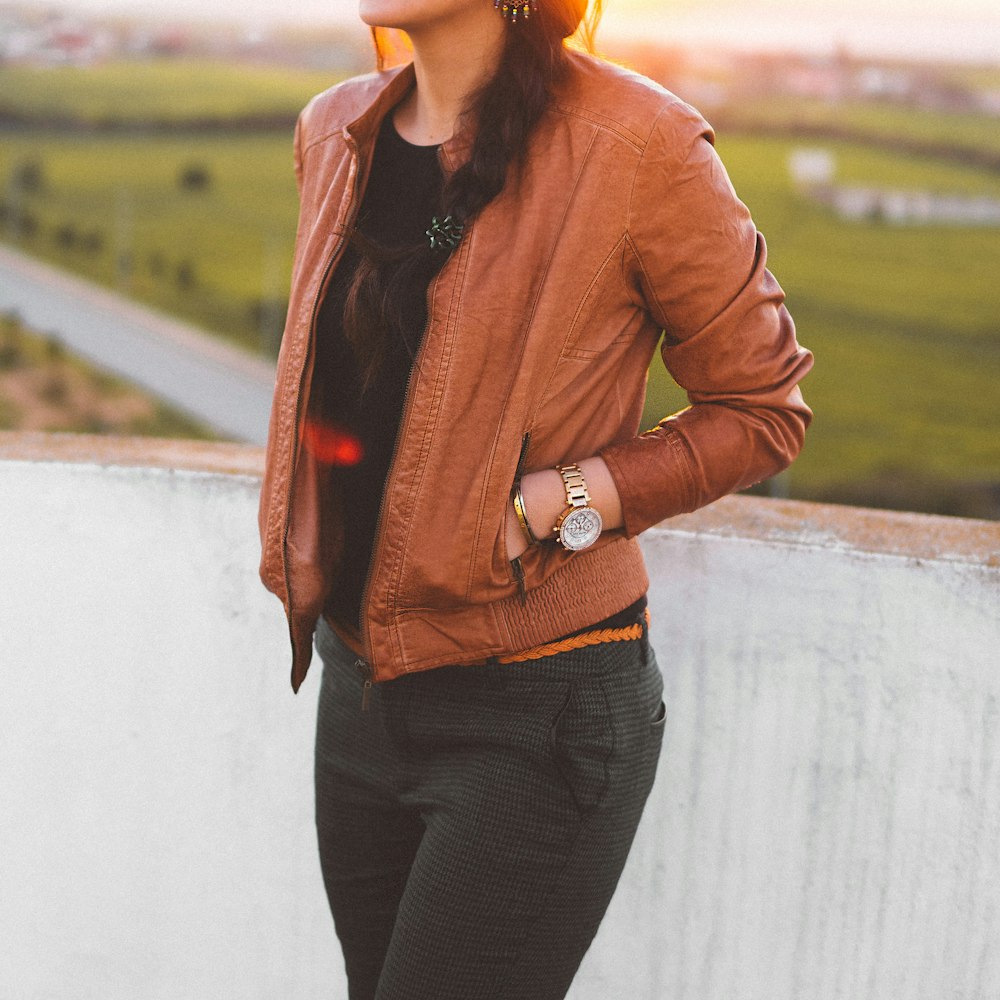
(519, 576)
(525, 442)
(365, 669)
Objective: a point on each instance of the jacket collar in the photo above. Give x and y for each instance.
(361, 132)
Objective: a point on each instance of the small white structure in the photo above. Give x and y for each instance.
(911, 208)
(811, 167)
(813, 170)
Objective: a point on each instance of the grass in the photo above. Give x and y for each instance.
(937, 279)
(904, 322)
(42, 387)
(111, 207)
(881, 122)
(165, 90)
(210, 256)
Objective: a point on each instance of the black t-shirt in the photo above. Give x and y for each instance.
(402, 196)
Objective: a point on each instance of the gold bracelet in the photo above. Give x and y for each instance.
(522, 517)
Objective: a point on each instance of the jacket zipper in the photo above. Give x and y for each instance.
(331, 260)
(365, 665)
(365, 593)
(515, 563)
(365, 669)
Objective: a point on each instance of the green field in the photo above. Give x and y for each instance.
(904, 321)
(211, 256)
(879, 123)
(168, 90)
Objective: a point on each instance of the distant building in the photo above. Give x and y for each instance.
(913, 208)
(812, 168)
(813, 171)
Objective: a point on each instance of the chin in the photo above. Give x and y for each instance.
(386, 13)
(419, 14)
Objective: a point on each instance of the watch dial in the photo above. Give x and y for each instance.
(580, 529)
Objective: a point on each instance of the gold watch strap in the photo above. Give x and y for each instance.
(577, 494)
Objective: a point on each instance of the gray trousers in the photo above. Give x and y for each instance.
(474, 822)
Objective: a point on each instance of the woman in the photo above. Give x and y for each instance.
(491, 240)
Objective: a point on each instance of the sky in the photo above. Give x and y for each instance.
(968, 30)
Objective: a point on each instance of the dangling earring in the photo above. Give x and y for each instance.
(512, 9)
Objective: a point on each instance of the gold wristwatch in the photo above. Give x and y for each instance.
(579, 525)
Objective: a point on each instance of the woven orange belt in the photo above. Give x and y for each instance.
(580, 641)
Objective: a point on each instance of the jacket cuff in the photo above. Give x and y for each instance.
(666, 485)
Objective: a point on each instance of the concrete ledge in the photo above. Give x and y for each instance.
(825, 823)
(771, 522)
(157, 453)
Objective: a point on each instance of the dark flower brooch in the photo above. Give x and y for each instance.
(445, 234)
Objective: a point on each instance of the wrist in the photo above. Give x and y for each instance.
(580, 523)
(544, 498)
(521, 515)
(517, 545)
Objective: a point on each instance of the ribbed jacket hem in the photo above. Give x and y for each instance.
(586, 589)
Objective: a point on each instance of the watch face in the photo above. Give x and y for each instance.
(580, 529)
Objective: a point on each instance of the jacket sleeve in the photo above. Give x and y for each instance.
(697, 264)
(265, 509)
(298, 152)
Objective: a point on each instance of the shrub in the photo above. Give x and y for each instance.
(66, 236)
(54, 350)
(29, 176)
(55, 388)
(17, 221)
(268, 316)
(194, 177)
(157, 264)
(125, 264)
(185, 276)
(93, 242)
(11, 346)
(27, 225)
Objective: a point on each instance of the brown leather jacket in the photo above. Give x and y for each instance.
(541, 327)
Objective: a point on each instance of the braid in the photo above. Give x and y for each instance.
(506, 111)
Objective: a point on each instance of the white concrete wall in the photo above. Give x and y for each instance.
(826, 822)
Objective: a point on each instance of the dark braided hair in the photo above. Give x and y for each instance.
(505, 111)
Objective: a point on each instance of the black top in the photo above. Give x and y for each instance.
(359, 428)
(402, 196)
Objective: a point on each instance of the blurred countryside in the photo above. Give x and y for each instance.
(155, 159)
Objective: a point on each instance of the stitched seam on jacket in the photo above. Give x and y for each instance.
(326, 136)
(612, 253)
(524, 339)
(396, 573)
(548, 264)
(683, 453)
(480, 515)
(601, 122)
(628, 228)
(650, 296)
(564, 351)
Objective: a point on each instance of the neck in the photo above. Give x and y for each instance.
(451, 62)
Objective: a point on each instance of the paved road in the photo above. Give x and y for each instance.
(222, 386)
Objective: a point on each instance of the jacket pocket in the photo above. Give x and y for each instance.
(515, 565)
